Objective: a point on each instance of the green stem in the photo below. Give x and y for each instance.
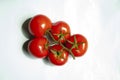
(48, 32)
(68, 50)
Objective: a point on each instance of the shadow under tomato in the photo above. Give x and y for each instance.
(47, 62)
(25, 49)
(27, 34)
(25, 30)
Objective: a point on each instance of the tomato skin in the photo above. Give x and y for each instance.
(58, 59)
(37, 47)
(59, 29)
(39, 24)
(81, 42)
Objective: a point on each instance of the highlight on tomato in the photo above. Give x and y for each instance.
(38, 47)
(39, 24)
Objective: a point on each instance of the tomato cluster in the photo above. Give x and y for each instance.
(54, 40)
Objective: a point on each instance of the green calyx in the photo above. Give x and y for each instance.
(56, 52)
(46, 45)
(61, 36)
(75, 44)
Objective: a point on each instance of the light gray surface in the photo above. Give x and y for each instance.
(98, 20)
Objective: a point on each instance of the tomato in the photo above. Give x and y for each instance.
(77, 44)
(58, 55)
(60, 31)
(38, 47)
(39, 24)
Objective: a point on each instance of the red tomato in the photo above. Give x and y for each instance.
(60, 31)
(78, 44)
(58, 55)
(39, 24)
(38, 47)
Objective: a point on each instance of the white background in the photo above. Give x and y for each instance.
(97, 20)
